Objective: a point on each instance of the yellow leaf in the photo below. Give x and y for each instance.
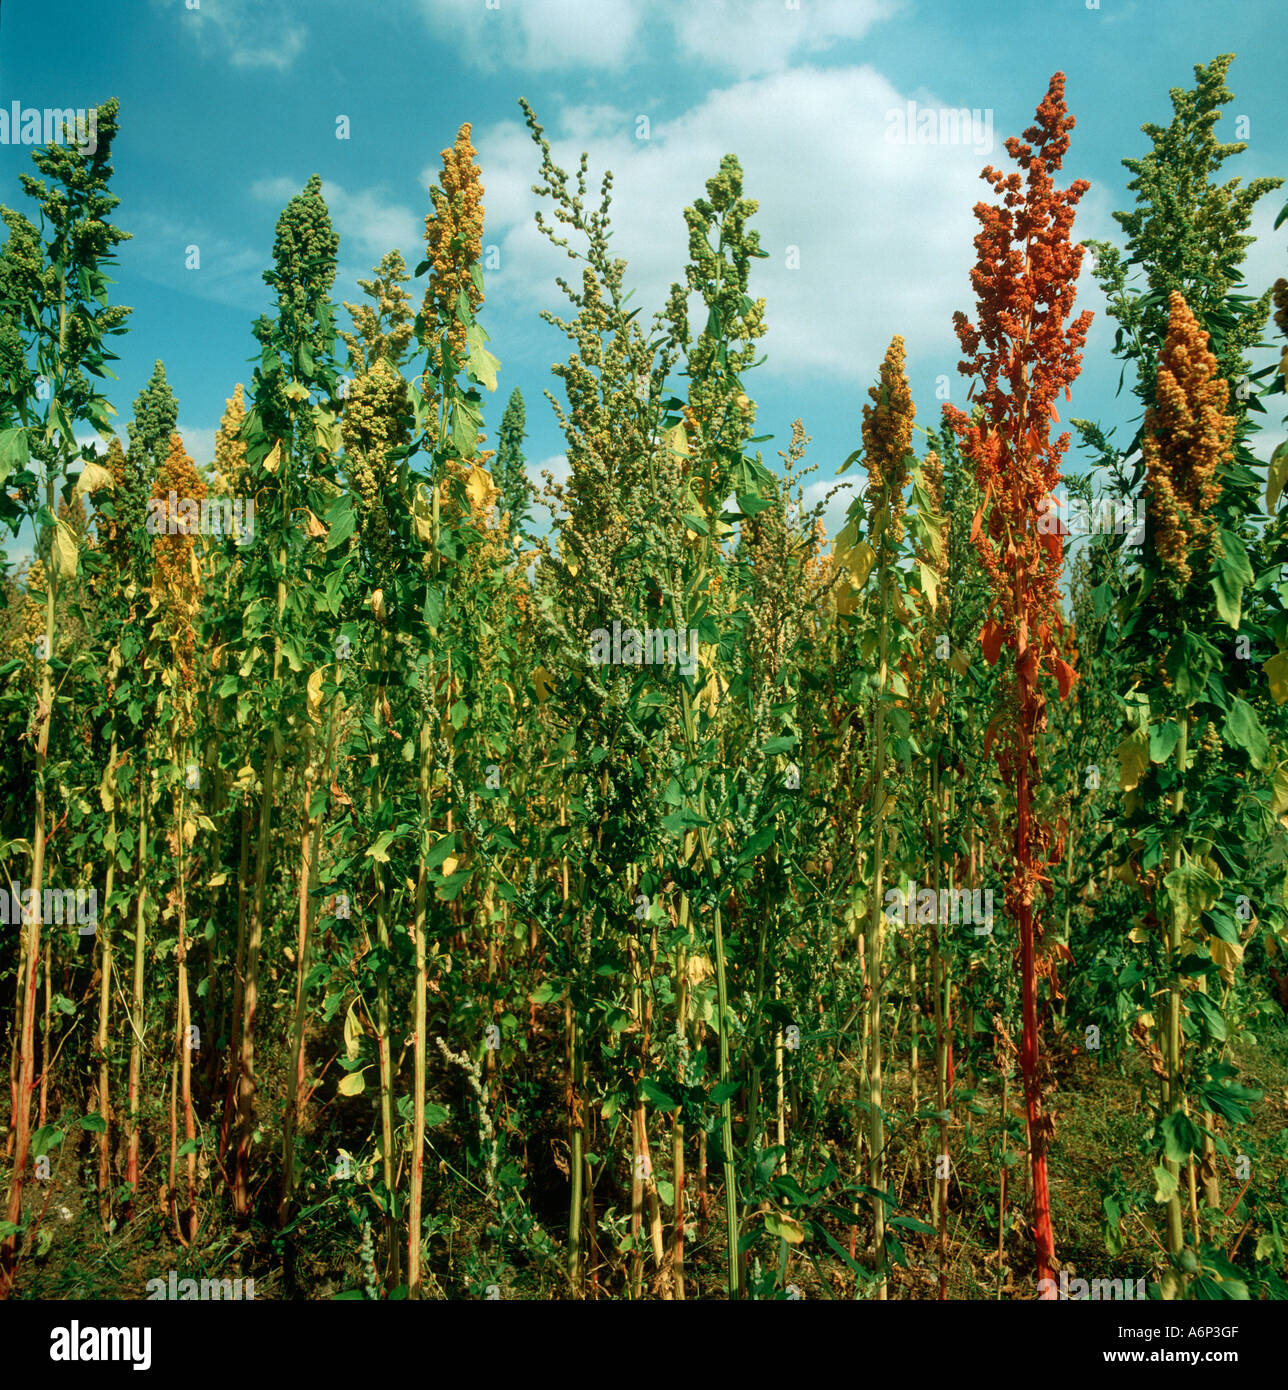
(929, 583)
(678, 441)
(859, 561)
(712, 693)
(1276, 670)
(352, 1033)
(315, 691)
(274, 460)
(107, 788)
(93, 476)
(1228, 955)
(785, 1227)
(482, 491)
(1133, 759)
(543, 683)
(960, 662)
(327, 429)
(847, 597)
(66, 551)
(1280, 802)
(422, 516)
(352, 1085)
(1276, 477)
(449, 865)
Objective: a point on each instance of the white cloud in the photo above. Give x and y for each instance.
(249, 33)
(199, 442)
(814, 152)
(756, 36)
(741, 36)
(537, 35)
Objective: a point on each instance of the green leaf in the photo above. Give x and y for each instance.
(341, 520)
(1209, 1014)
(752, 504)
(1181, 1136)
(1189, 663)
(1192, 891)
(1165, 1184)
(433, 613)
(96, 1124)
(442, 848)
(661, 1098)
(1243, 730)
(46, 1138)
(13, 451)
(910, 1223)
(379, 851)
(1231, 573)
(1162, 740)
(465, 429)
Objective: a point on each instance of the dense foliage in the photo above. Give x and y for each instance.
(480, 909)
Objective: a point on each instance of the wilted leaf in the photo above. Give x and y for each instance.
(1276, 670)
(482, 491)
(1065, 676)
(352, 1032)
(785, 1227)
(1191, 891)
(1133, 759)
(93, 477)
(66, 551)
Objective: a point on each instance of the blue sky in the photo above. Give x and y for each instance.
(229, 105)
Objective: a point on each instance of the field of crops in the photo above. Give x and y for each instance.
(423, 882)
